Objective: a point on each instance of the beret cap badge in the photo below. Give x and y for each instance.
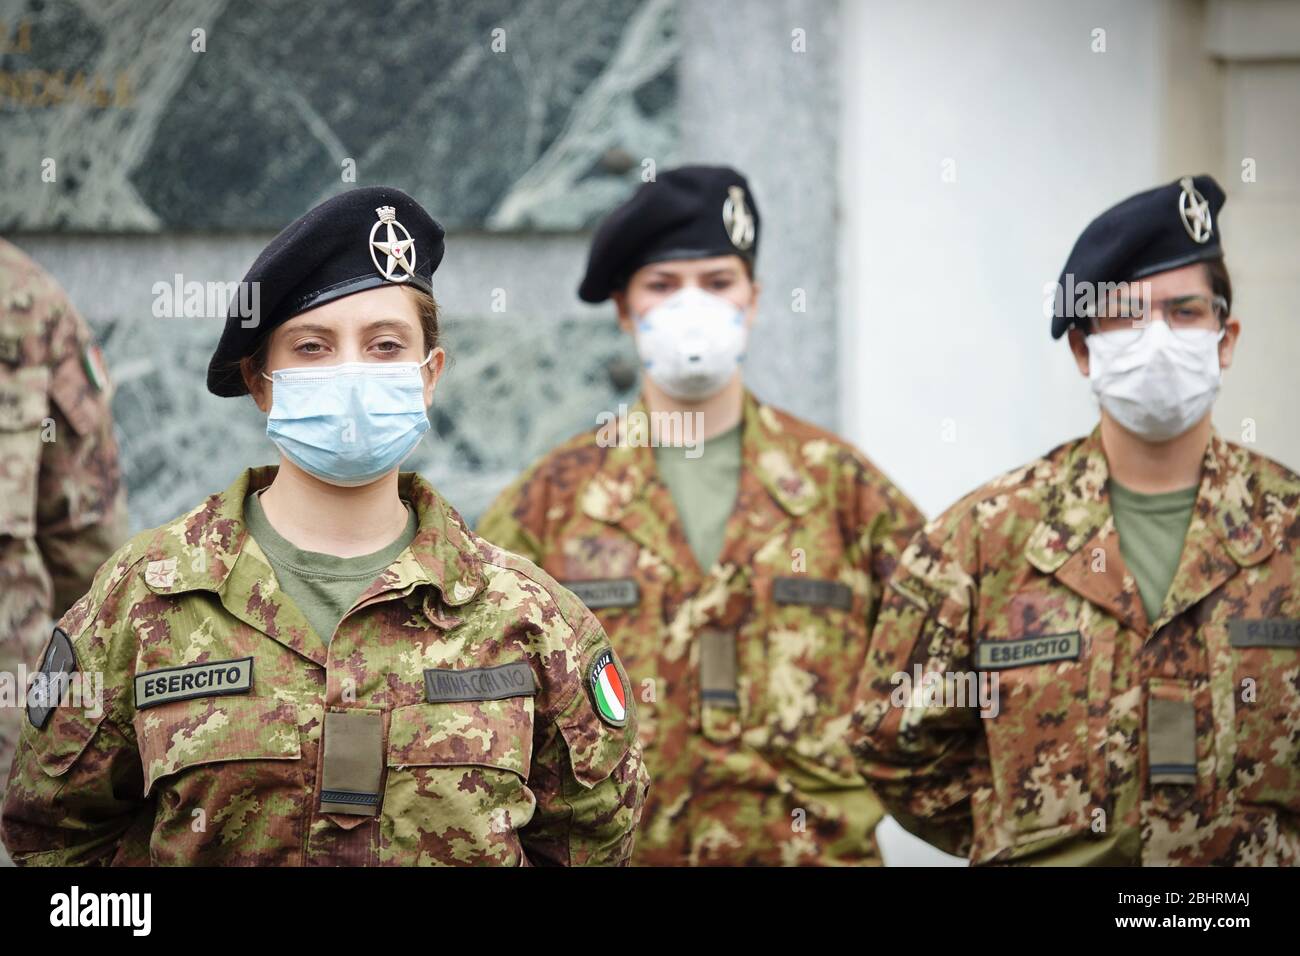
(1139, 237)
(318, 258)
(674, 216)
(394, 247)
(1194, 210)
(737, 220)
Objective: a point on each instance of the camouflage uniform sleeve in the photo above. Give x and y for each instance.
(515, 521)
(588, 775)
(76, 786)
(922, 757)
(892, 521)
(81, 505)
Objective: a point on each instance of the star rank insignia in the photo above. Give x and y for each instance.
(1194, 210)
(397, 247)
(737, 219)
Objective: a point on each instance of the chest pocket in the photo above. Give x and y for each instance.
(486, 733)
(23, 407)
(807, 641)
(1256, 681)
(178, 736)
(1046, 773)
(456, 786)
(228, 779)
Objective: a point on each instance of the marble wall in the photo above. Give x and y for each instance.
(236, 114)
(752, 85)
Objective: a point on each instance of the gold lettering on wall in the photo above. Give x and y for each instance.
(36, 88)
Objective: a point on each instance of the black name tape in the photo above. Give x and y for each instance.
(479, 683)
(1271, 632)
(1041, 649)
(816, 592)
(606, 592)
(211, 679)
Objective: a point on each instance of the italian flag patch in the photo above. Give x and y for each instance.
(607, 691)
(92, 360)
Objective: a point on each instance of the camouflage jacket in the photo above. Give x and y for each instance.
(743, 672)
(469, 766)
(1116, 740)
(62, 508)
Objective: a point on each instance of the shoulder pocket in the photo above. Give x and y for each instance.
(65, 737)
(82, 404)
(595, 748)
(600, 723)
(23, 407)
(593, 759)
(188, 733)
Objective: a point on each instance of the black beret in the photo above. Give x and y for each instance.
(691, 212)
(361, 239)
(1164, 228)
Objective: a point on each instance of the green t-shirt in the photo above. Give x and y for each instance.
(704, 490)
(322, 586)
(1151, 533)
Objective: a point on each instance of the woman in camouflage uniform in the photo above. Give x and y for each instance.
(322, 665)
(739, 576)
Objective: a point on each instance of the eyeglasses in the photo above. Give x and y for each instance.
(1179, 312)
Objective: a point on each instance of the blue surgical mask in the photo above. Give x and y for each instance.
(348, 424)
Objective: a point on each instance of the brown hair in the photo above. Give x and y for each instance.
(1220, 282)
(425, 304)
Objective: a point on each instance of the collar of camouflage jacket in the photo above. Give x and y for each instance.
(766, 451)
(1076, 539)
(209, 548)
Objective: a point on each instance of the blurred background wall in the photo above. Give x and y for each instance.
(922, 169)
(617, 83)
(975, 149)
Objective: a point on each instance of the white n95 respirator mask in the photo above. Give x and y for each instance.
(1154, 381)
(692, 343)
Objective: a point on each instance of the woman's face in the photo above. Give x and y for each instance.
(378, 325)
(723, 276)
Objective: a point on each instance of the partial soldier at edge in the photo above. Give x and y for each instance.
(1135, 594)
(62, 501)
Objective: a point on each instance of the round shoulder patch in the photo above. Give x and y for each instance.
(608, 695)
(58, 663)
